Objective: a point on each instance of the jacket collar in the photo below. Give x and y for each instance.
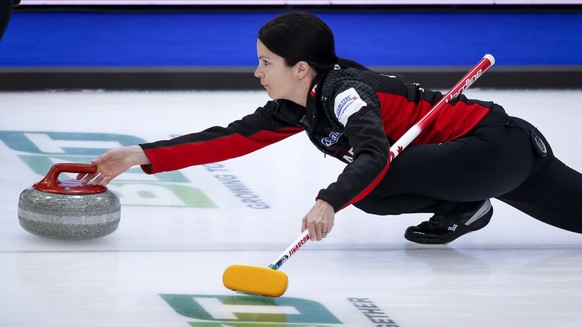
(312, 101)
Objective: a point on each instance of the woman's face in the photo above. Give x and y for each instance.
(276, 77)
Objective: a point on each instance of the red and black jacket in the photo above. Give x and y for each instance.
(351, 115)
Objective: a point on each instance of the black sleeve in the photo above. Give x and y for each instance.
(370, 146)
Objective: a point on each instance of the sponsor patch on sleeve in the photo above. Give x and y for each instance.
(346, 104)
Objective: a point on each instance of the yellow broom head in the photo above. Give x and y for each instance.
(255, 280)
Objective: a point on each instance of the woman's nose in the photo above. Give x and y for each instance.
(258, 73)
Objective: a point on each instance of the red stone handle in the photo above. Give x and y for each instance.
(51, 183)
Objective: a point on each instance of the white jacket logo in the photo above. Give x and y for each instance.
(346, 104)
(331, 139)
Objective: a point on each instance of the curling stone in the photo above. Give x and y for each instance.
(68, 209)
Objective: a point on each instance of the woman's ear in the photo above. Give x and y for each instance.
(302, 70)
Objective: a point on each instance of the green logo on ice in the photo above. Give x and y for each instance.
(41, 150)
(216, 310)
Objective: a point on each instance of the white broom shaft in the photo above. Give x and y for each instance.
(485, 63)
(289, 251)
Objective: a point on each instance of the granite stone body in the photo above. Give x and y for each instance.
(69, 216)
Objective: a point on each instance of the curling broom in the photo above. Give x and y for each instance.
(270, 281)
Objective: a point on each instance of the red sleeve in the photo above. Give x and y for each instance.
(253, 132)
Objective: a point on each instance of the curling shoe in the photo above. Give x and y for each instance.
(445, 228)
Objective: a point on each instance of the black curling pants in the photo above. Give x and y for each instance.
(497, 159)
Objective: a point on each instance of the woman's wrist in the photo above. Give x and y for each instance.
(138, 156)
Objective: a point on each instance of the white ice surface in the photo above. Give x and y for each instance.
(515, 272)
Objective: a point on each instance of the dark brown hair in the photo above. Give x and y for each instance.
(302, 36)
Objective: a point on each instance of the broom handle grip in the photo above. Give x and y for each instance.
(485, 63)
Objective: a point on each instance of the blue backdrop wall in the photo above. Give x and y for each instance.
(423, 40)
